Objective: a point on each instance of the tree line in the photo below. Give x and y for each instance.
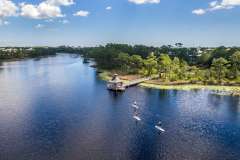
(23, 52)
(171, 63)
(204, 65)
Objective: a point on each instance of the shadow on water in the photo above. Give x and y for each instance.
(115, 95)
(233, 105)
(38, 58)
(228, 104)
(216, 100)
(163, 94)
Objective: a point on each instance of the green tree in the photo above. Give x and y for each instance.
(136, 63)
(196, 74)
(150, 65)
(176, 65)
(219, 68)
(235, 64)
(205, 58)
(175, 69)
(183, 70)
(123, 61)
(179, 45)
(207, 76)
(164, 66)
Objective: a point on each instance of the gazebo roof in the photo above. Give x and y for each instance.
(115, 79)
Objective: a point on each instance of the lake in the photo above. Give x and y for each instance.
(56, 108)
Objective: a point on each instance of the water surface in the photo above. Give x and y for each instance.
(56, 108)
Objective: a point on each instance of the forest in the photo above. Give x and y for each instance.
(25, 52)
(205, 65)
(219, 65)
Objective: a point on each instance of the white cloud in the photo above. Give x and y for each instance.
(213, 3)
(144, 1)
(199, 11)
(7, 8)
(60, 2)
(219, 5)
(82, 13)
(224, 4)
(41, 11)
(39, 26)
(45, 10)
(108, 8)
(230, 2)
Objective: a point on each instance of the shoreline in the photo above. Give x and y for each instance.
(24, 58)
(225, 89)
(190, 87)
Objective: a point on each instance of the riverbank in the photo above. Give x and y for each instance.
(191, 87)
(184, 85)
(25, 58)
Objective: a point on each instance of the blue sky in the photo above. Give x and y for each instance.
(94, 22)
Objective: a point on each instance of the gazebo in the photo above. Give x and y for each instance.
(115, 84)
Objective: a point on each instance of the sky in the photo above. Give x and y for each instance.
(206, 23)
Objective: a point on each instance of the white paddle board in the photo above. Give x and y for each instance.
(137, 118)
(159, 128)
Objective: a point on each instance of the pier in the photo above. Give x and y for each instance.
(136, 82)
(115, 84)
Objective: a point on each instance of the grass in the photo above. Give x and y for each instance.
(104, 75)
(191, 86)
(234, 90)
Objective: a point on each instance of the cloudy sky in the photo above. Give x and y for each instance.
(94, 22)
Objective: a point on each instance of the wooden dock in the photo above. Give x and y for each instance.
(115, 84)
(137, 81)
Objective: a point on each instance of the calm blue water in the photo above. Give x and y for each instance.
(56, 108)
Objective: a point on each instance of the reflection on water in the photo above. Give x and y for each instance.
(57, 108)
